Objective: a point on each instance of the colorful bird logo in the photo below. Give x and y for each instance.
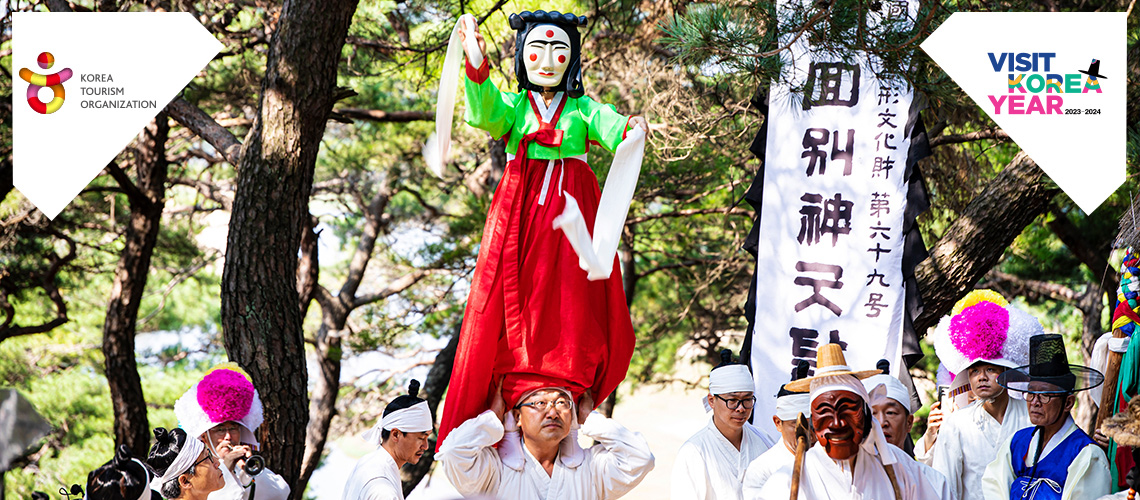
(53, 81)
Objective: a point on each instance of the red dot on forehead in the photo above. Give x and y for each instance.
(534, 57)
(550, 33)
(561, 59)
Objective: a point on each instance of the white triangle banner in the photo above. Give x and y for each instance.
(86, 84)
(1054, 81)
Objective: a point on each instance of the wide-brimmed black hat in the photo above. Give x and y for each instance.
(1049, 371)
(1094, 69)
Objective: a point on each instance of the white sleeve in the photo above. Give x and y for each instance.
(621, 459)
(1088, 475)
(374, 490)
(270, 485)
(999, 473)
(690, 477)
(948, 458)
(755, 477)
(923, 455)
(469, 461)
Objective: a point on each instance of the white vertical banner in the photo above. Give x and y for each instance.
(829, 262)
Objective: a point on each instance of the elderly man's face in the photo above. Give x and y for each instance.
(839, 422)
(549, 424)
(894, 419)
(787, 430)
(1048, 409)
(983, 380)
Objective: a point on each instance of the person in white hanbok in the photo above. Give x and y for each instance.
(772, 463)
(890, 404)
(224, 410)
(538, 456)
(711, 464)
(976, 349)
(185, 469)
(1053, 459)
(851, 459)
(401, 436)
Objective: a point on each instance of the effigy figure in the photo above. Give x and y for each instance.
(544, 309)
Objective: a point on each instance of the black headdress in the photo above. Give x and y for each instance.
(522, 23)
(120, 479)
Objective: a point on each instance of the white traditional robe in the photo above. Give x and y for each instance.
(709, 467)
(825, 478)
(270, 486)
(375, 477)
(607, 470)
(1088, 476)
(770, 465)
(968, 442)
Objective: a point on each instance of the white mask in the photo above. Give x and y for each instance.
(546, 54)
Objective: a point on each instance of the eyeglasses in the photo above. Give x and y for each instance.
(733, 404)
(541, 406)
(1042, 398)
(209, 456)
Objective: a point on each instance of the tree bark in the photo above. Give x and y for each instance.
(147, 198)
(979, 236)
(260, 313)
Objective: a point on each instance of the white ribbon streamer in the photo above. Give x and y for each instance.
(185, 459)
(438, 147)
(596, 255)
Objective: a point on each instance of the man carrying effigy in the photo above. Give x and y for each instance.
(982, 338)
(538, 456)
(1053, 459)
(711, 464)
(851, 459)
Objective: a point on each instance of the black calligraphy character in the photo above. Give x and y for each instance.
(804, 344)
(844, 155)
(876, 275)
(875, 230)
(825, 85)
(885, 94)
(818, 284)
(886, 116)
(885, 142)
(879, 251)
(833, 218)
(811, 143)
(809, 223)
(876, 304)
(880, 204)
(882, 166)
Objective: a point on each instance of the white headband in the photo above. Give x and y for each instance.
(415, 418)
(847, 382)
(787, 407)
(182, 464)
(892, 389)
(731, 378)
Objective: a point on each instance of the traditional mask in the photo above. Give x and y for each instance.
(546, 55)
(840, 423)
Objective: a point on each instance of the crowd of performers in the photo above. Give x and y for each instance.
(547, 334)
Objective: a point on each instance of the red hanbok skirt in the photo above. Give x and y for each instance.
(532, 318)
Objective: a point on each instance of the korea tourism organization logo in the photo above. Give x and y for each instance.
(53, 81)
(1035, 85)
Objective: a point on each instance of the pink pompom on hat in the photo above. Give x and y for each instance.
(983, 327)
(225, 394)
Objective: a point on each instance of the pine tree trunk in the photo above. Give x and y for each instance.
(979, 236)
(146, 202)
(260, 314)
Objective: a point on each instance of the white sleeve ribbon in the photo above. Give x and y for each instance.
(596, 255)
(438, 147)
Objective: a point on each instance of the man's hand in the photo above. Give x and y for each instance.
(638, 121)
(478, 38)
(585, 406)
(1101, 439)
(498, 405)
(933, 423)
(233, 455)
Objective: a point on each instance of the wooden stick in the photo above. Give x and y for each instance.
(801, 449)
(890, 468)
(1111, 373)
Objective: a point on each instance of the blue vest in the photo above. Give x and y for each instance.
(1046, 480)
